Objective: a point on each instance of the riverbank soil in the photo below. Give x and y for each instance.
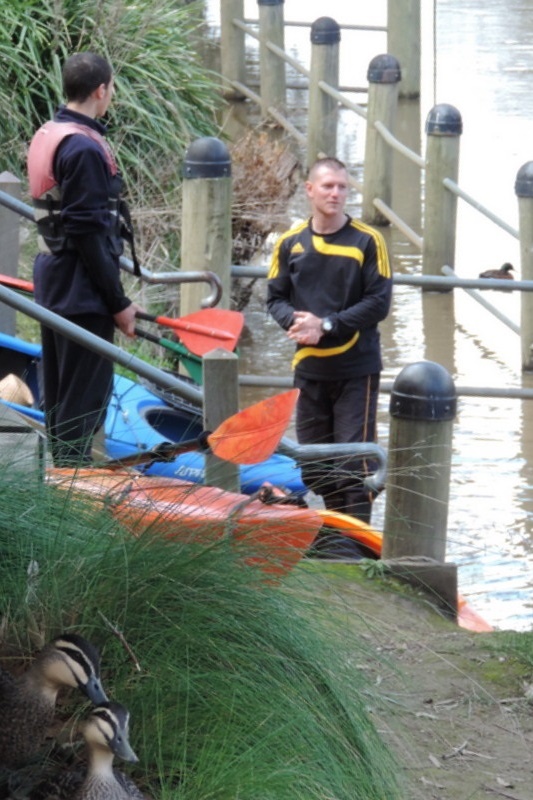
(455, 710)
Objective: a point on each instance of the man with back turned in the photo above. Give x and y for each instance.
(329, 286)
(76, 189)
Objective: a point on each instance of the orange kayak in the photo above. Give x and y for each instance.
(274, 536)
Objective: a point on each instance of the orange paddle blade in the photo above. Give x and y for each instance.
(205, 330)
(252, 435)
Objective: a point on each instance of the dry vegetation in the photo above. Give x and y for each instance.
(266, 173)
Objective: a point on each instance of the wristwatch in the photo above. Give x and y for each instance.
(326, 326)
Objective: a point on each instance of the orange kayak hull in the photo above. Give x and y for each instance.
(274, 537)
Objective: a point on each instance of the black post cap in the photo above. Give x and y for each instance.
(444, 120)
(524, 180)
(325, 30)
(424, 391)
(207, 157)
(384, 69)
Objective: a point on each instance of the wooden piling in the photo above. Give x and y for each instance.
(323, 109)
(206, 239)
(232, 47)
(403, 42)
(271, 66)
(443, 128)
(9, 246)
(524, 192)
(384, 75)
(422, 407)
(221, 400)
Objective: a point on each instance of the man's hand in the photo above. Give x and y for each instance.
(306, 328)
(125, 319)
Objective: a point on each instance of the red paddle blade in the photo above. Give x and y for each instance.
(205, 330)
(19, 284)
(252, 435)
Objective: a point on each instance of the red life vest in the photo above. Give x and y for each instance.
(46, 193)
(43, 148)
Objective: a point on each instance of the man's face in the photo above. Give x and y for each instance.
(106, 93)
(328, 190)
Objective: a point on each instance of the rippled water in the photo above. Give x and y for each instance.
(482, 65)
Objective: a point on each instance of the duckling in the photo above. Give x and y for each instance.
(27, 703)
(504, 273)
(106, 733)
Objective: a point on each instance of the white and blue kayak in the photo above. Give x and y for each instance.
(138, 420)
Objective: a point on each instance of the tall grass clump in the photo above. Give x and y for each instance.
(238, 687)
(164, 97)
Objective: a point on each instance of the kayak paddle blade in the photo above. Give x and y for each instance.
(205, 330)
(252, 435)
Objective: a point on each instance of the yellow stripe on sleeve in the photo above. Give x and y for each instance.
(274, 264)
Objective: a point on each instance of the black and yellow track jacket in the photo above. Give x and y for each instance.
(345, 276)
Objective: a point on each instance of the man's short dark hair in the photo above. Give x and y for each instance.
(326, 161)
(83, 73)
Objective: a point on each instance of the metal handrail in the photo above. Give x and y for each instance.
(347, 27)
(205, 276)
(402, 226)
(399, 146)
(107, 350)
(453, 187)
(360, 450)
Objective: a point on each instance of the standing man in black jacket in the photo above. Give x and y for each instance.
(76, 189)
(329, 286)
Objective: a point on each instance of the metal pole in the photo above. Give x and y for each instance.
(384, 76)
(323, 109)
(206, 218)
(443, 128)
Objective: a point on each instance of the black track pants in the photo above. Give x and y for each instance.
(332, 412)
(77, 385)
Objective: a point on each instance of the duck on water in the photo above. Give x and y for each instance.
(504, 273)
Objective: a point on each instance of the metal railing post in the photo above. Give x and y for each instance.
(9, 245)
(524, 193)
(271, 67)
(323, 109)
(443, 128)
(206, 239)
(384, 76)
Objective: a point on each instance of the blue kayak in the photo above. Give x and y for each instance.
(138, 420)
